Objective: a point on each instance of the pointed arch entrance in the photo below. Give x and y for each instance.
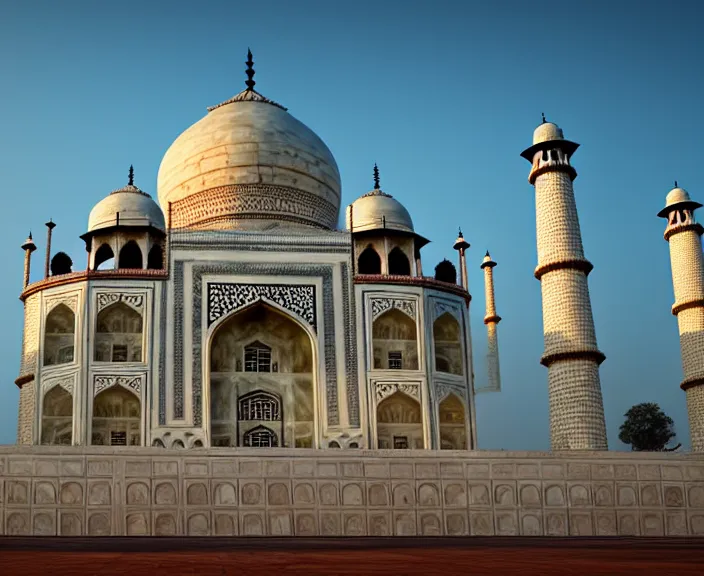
(262, 380)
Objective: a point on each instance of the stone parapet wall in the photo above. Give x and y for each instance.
(142, 491)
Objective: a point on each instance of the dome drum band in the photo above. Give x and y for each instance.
(240, 201)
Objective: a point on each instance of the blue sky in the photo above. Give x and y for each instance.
(442, 95)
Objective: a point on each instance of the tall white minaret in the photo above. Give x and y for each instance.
(684, 236)
(571, 353)
(491, 319)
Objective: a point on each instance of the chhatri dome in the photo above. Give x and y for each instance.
(127, 206)
(249, 164)
(377, 210)
(678, 198)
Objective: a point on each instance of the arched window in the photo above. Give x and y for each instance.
(398, 423)
(260, 405)
(57, 417)
(257, 358)
(260, 437)
(452, 424)
(394, 341)
(104, 258)
(155, 258)
(130, 256)
(448, 347)
(398, 263)
(116, 418)
(268, 387)
(59, 335)
(446, 272)
(118, 335)
(369, 262)
(61, 263)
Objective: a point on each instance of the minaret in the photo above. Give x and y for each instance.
(29, 246)
(47, 261)
(491, 319)
(571, 353)
(684, 236)
(461, 246)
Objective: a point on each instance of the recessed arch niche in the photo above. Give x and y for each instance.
(395, 341)
(116, 418)
(452, 423)
(118, 335)
(448, 345)
(262, 380)
(399, 424)
(57, 417)
(59, 335)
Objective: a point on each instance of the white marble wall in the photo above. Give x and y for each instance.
(149, 491)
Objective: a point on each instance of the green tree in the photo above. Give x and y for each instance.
(648, 428)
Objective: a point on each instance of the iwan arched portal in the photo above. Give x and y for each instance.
(262, 381)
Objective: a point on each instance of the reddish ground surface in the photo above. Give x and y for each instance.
(351, 556)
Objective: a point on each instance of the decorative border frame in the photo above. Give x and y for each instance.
(227, 297)
(323, 271)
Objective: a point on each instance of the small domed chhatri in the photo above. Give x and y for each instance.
(126, 206)
(678, 198)
(378, 210)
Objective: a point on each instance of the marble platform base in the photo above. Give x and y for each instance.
(97, 491)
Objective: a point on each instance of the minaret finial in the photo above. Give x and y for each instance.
(130, 179)
(487, 254)
(459, 233)
(30, 234)
(250, 71)
(544, 120)
(376, 177)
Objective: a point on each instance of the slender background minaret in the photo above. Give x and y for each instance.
(47, 259)
(571, 353)
(684, 236)
(491, 319)
(29, 246)
(461, 246)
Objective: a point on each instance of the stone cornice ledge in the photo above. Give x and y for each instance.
(24, 379)
(74, 277)
(193, 238)
(422, 281)
(419, 456)
(580, 264)
(696, 227)
(553, 357)
(677, 308)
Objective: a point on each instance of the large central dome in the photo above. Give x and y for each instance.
(249, 165)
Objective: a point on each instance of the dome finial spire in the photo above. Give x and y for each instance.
(544, 120)
(676, 186)
(376, 177)
(130, 178)
(250, 71)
